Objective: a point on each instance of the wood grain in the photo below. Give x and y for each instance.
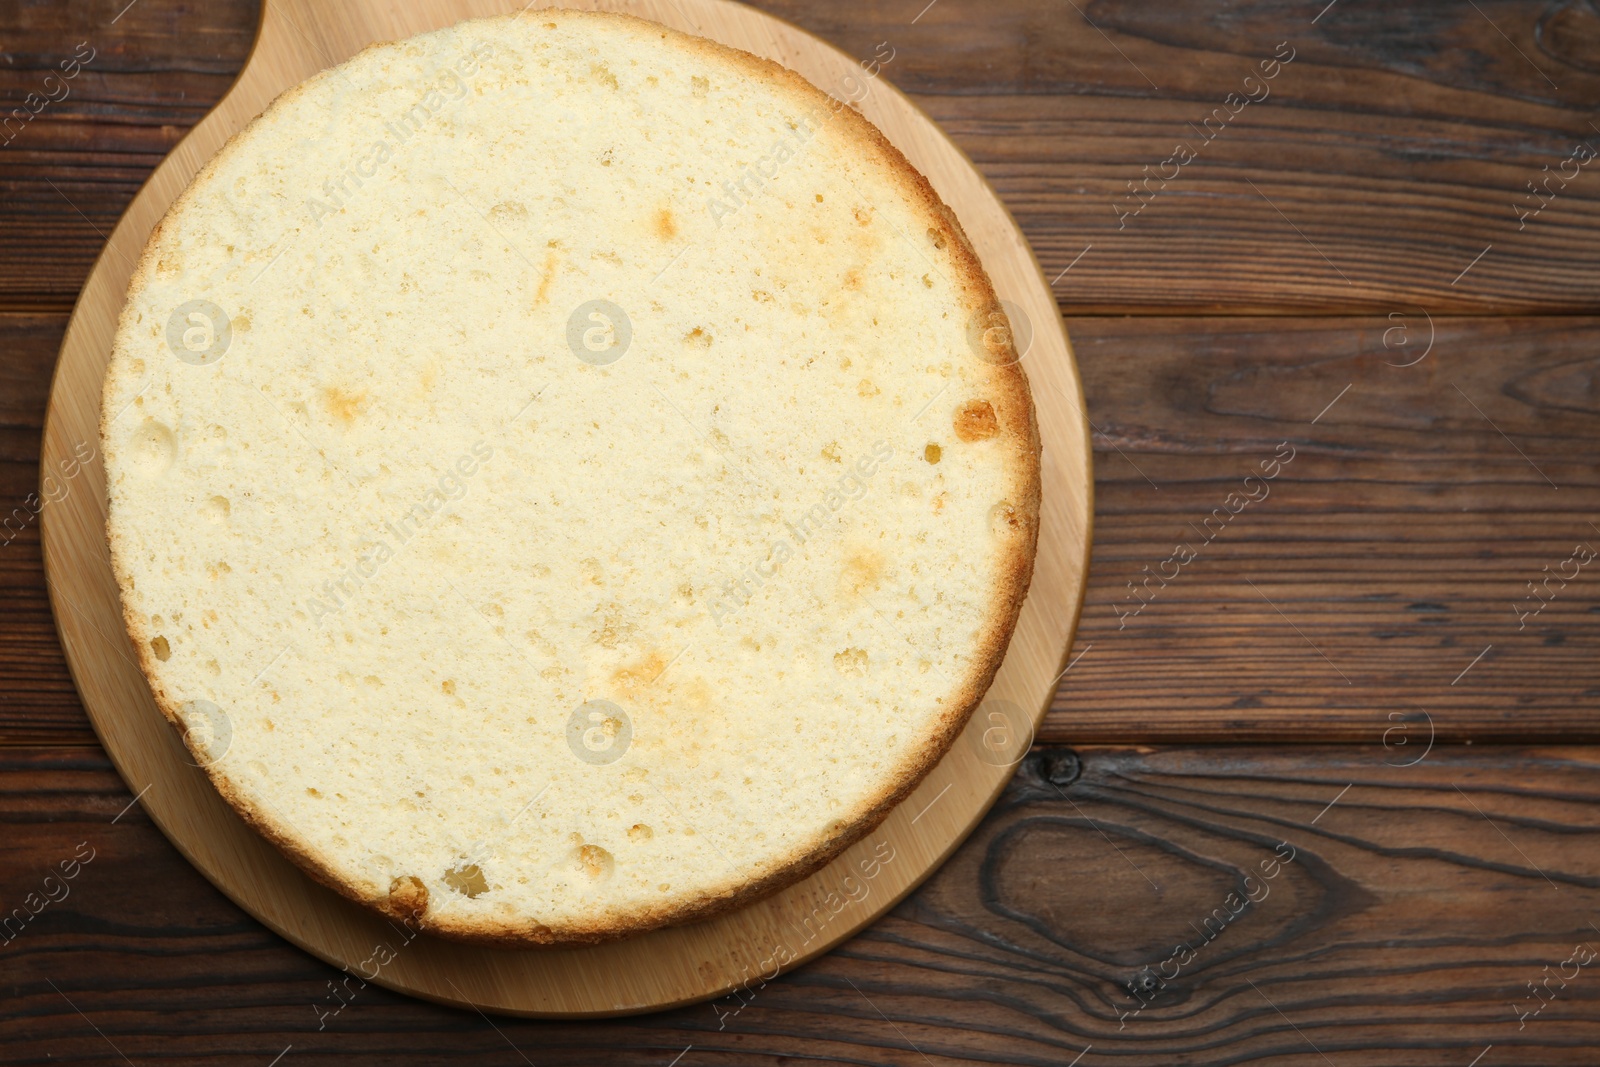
(1377, 165)
(1396, 547)
(1398, 143)
(1019, 951)
(67, 173)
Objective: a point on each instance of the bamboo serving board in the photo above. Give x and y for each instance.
(669, 967)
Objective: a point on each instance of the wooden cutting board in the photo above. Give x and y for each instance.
(668, 967)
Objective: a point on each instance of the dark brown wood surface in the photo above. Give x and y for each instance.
(1396, 921)
(1340, 274)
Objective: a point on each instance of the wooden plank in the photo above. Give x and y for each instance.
(1418, 905)
(95, 96)
(1373, 173)
(1398, 540)
(38, 703)
(1372, 168)
(1396, 547)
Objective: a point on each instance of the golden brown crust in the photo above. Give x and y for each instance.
(1015, 427)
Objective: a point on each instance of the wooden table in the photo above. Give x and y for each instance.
(1327, 798)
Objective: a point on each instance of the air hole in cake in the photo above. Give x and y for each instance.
(594, 861)
(408, 898)
(852, 662)
(468, 880)
(1003, 519)
(153, 448)
(159, 646)
(216, 509)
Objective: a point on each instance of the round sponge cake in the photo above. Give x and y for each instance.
(566, 476)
